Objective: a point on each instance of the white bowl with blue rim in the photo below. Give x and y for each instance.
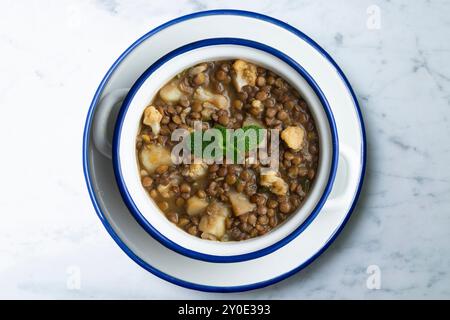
(127, 127)
(175, 264)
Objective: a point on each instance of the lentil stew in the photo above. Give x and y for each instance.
(228, 202)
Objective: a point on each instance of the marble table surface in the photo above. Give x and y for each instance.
(396, 55)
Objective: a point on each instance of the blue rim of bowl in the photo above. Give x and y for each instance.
(119, 241)
(128, 198)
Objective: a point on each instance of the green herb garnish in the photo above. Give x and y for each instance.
(236, 147)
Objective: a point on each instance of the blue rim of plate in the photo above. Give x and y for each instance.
(128, 198)
(107, 225)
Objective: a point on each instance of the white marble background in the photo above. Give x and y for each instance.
(54, 54)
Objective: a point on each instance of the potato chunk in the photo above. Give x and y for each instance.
(218, 100)
(197, 170)
(152, 156)
(170, 92)
(152, 118)
(214, 222)
(218, 208)
(294, 137)
(240, 203)
(245, 74)
(276, 184)
(196, 205)
(214, 225)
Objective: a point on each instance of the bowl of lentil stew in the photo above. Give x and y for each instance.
(225, 213)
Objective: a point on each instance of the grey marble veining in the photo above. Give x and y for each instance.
(52, 61)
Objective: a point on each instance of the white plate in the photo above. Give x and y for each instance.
(247, 275)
